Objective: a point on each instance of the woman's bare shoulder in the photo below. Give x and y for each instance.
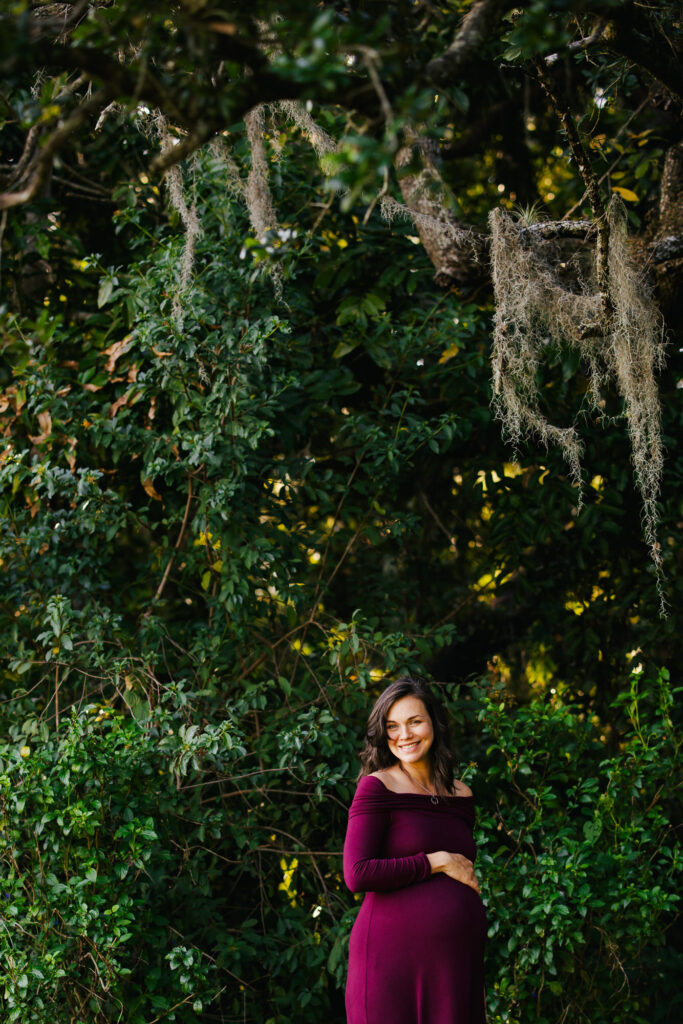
(461, 789)
(387, 777)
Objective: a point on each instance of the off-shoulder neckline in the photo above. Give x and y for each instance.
(424, 796)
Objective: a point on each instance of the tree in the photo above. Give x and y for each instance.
(251, 466)
(204, 73)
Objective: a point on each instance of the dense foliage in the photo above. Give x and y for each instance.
(241, 485)
(158, 871)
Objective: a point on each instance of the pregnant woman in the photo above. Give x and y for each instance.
(417, 946)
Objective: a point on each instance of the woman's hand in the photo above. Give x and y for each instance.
(455, 866)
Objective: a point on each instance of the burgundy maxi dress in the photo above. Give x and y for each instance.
(417, 946)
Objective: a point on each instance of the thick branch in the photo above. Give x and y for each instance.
(455, 252)
(671, 194)
(39, 168)
(472, 34)
(549, 229)
(666, 250)
(30, 144)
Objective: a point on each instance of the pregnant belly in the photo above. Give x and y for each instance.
(436, 911)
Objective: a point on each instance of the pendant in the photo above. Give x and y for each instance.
(434, 800)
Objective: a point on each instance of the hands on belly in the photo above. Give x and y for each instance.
(455, 866)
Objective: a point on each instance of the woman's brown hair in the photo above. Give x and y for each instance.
(376, 754)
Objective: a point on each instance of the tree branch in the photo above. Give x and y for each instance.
(121, 80)
(472, 34)
(549, 229)
(580, 44)
(39, 167)
(27, 155)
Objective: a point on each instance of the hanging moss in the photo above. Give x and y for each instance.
(188, 215)
(621, 342)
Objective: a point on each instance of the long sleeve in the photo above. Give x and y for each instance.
(365, 870)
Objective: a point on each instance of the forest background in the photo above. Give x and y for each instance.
(284, 413)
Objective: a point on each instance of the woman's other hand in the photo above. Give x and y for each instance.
(455, 866)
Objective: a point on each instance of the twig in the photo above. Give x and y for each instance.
(377, 198)
(174, 1007)
(369, 57)
(436, 518)
(179, 540)
(3, 225)
(296, 853)
(57, 698)
(312, 855)
(580, 44)
(612, 165)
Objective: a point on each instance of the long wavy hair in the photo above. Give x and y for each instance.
(376, 754)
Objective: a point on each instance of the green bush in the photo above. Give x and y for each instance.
(580, 860)
(130, 893)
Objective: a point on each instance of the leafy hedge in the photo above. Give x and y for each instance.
(153, 870)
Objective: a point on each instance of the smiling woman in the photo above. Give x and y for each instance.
(416, 948)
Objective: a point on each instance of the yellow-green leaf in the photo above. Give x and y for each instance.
(448, 353)
(625, 193)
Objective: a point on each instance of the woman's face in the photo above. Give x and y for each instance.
(409, 729)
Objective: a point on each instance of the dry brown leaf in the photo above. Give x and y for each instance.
(116, 350)
(45, 424)
(33, 504)
(151, 490)
(120, 401)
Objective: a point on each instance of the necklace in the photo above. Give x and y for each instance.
(434, 798)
